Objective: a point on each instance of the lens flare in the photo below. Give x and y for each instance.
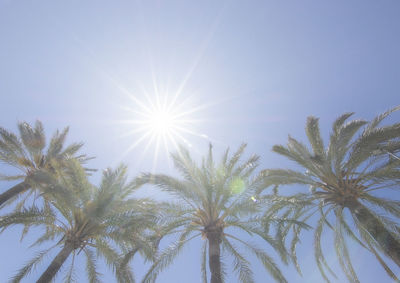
(162, 121)
(237, 185)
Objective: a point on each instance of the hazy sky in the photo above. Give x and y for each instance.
(247, 71)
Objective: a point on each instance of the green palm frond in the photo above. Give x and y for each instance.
(287, 177)
(56, 142)
(339, 143)
(27, 152)
(91, 266)
(214, 196)
(378, 119)
(93, 219)
(385, 266)
(293, 246)
(70, 276)
(11, 178)
(32, 138)
(174, 186)
(365, 145)
(166, 257)
(265, 259)
(30, 266)
(356, 163)
(124, 271)
(28, 216)
(391, 206)
(341, 248)
(314, 136)
(241, 265)
(319, 256)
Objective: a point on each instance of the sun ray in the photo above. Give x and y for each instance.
(135, 144)
(133, 132)
(183, 139)
(184, 130)
(161, 123)
(173, 141)
(155, 158)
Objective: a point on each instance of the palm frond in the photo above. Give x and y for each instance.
(268, 263)
(91, 266)
(29, 266)
(174, 186)
(319, 256)
(29, 216)
(11, 178)
(286, 177)
(32, 138)
(378, 119)
(339, 145)
(241, 265)
(166, 257)
(314, 136)
(341, 249)
(124, 271)
(354, 167)
(365, 145)
(70, 276)
(235, 158)
(384, 265)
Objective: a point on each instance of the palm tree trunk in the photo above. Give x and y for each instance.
(17, 189)
(56, 264)
(214, 257)
(389, 244)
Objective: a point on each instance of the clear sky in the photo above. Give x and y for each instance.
(246, 71)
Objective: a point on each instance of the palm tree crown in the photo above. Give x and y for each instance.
(89, 219)
(27, 153)
(344, 179)
(215, 201)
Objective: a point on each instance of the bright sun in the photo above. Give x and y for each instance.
(162, 122)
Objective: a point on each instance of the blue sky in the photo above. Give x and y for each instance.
(257, 69)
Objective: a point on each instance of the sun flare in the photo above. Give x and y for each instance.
(162, 122)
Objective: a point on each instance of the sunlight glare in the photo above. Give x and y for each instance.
(161, 122)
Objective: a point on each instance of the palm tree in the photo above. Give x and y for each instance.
(344, 179)
(215, 201)
(27, 154)
(89, 219)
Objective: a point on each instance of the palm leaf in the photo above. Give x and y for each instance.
(241, 265)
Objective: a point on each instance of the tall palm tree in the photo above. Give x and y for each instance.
(89, 219)
(27, 153)
(215, 201)
(345, 178)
